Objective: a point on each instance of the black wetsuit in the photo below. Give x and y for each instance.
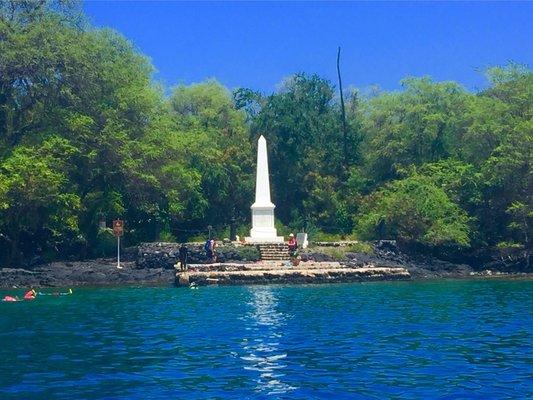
(183, 255)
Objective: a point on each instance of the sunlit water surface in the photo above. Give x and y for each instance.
(448, 339)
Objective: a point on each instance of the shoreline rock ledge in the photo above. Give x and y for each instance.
(280, 273)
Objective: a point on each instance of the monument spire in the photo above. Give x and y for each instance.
(263, 229)
(262, 181)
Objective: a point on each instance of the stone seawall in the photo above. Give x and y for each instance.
(165, 255)
(279, 273)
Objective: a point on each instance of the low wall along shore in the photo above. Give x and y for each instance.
(241, 265)
(279, 272)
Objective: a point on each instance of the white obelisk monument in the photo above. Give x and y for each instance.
(263, 229)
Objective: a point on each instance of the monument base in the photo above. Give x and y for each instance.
(264, 235)
(263, 229)
(270, 239)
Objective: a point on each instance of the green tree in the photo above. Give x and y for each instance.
(303, 128)
(93, 89)
(412, 127)
(414, 209)
(218, 148)
(507, 179)
(84, 131)
(39, 207)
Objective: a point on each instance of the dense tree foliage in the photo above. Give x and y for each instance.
(219, 150)
(86, 134)
(414, 208)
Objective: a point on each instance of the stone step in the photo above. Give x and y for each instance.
(284, 257)
(275, 257)
(274, 251)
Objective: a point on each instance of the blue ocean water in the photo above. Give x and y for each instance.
(420, 340)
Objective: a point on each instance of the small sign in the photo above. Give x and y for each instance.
(118, 227)
(301, 239)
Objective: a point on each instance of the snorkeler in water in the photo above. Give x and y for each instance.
(10, 298)
(29, 295)
(32, 294)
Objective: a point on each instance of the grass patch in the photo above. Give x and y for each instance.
(340, 253)
(361, 247)
(232, 253)
(247, 253)
(320, 236)
(337, 253)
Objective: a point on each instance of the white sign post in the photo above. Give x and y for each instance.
(301, 239)
(118, 230)
(118, 253)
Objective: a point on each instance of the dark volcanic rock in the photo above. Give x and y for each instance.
(165, 255)
(153, 263)
(419, 265)
(150, 263)
(97, 272)
(386, 253)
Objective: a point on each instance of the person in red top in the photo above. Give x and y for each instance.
(293, 246)
(30, 294)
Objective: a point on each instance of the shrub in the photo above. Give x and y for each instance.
(337, 253)
(166, 236)
(106, 243)
(414, 209)
(321, 236)
(248, 253)
(241, 253)
(361, 247)
(340, 253)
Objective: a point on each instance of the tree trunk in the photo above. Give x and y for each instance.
(343, 113)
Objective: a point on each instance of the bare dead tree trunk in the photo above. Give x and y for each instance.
(343, 113)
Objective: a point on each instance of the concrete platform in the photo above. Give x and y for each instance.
(276, 273)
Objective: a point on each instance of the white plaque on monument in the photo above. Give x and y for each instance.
(263, 229)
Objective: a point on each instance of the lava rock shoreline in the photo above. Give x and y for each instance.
(153, 264)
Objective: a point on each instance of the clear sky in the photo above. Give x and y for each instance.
(256, 44)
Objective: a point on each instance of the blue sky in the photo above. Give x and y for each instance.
(256, 44)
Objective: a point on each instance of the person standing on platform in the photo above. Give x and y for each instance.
(183, 256)
(293, 245)
(209, 248)
(213, 251)
(208, 251)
